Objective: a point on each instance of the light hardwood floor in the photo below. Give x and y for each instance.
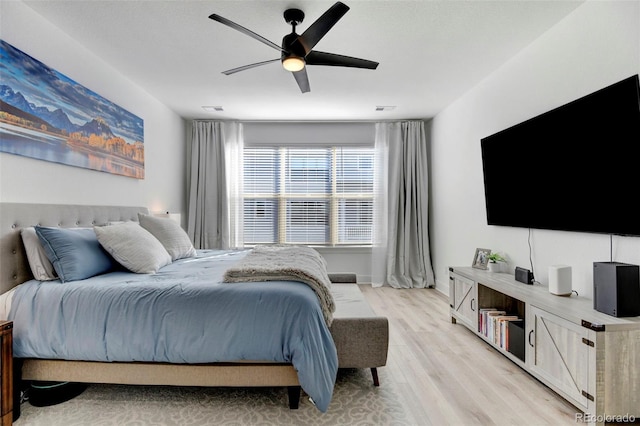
(446, 375)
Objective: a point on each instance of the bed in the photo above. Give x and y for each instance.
(361, 337)
(195, 331)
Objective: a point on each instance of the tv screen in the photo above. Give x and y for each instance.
(574, 168)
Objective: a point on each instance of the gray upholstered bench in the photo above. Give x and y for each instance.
(361, 336)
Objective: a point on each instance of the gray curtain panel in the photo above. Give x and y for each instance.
(209, 203)
(401, 255)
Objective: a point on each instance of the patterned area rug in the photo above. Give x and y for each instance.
(355, 402)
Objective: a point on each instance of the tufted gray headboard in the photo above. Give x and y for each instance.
(14, 267)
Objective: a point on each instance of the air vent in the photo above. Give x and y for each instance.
(216, 108)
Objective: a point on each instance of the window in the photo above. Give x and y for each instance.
(316, 196)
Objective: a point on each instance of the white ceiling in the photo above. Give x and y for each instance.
(430, 52)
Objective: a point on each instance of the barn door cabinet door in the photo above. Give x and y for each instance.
(562, 354)
(464, 301)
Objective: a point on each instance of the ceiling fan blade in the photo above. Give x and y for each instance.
(302, 80)
(331, 59)
(243, 30)
(246, 67)
(322, 25)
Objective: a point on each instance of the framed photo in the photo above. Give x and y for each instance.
(481, 259)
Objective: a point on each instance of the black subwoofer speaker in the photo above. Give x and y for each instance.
(616, 289)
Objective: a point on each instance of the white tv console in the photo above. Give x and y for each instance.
(589, 358)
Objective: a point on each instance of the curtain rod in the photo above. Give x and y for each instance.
(314, 121)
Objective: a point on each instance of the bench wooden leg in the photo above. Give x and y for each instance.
(294, 397)
(374, 374)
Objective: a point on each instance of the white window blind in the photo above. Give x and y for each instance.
(315, 196)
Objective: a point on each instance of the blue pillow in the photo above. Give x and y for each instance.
(75, 253)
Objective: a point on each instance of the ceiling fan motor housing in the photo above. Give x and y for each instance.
(293, 53)
(291, 44)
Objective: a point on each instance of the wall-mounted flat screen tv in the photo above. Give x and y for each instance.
(574, 168)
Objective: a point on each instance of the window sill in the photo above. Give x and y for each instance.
(344, 249)
(355, 249)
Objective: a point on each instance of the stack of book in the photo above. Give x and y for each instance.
(494, 325)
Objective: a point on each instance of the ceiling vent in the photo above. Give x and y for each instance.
(217, 108)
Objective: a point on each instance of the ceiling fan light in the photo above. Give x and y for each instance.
(293, 63)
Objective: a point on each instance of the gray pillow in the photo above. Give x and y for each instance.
(40, 265)
(74, 252)
(133, 247)
(170, 234)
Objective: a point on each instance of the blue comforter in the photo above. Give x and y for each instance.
(182, 314)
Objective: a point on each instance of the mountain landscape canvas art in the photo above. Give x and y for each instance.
(47, 116)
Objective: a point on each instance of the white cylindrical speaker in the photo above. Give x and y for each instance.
(560, 280)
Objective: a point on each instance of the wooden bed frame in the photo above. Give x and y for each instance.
(14, 270)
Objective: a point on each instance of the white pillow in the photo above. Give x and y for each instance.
(133, 247)
(170, 234)
(41, 267)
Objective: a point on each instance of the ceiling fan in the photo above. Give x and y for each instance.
(297, 50)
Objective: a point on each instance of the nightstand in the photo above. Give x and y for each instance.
(6, 373)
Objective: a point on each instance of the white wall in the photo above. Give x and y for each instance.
(598, 44)
(28, 180)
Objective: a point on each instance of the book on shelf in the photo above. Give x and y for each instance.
(490, 323)
(501, 337)
(493, 325)
(482, 319)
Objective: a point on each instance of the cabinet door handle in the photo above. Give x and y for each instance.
(530, 333)
(473, 302)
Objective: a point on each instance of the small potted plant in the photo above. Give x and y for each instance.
(495, 262)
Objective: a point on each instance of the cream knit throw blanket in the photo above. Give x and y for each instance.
(286, 263)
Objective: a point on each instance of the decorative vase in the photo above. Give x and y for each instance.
(494, 267)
